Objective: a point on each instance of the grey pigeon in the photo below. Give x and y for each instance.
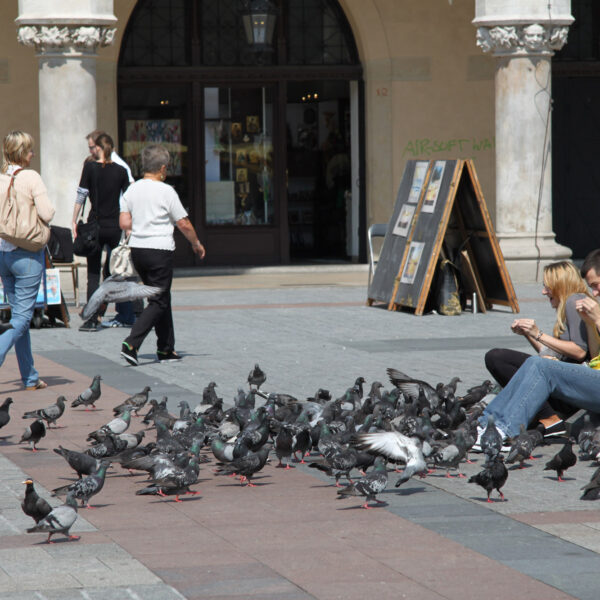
(521, 448)
(116, 289)
(90, 395)
(58, 520)
(85, 488)
(562, 460)
(493, 476)
(591, 491)
(80, 462)
(118, 425)
(209, 396)
(246, 466)
(33, 505)
(452, 454)
(135, 402)
(34, 433)
(4, 416)
(176, 483)
(491, 438)
(50, 414)
(256, 377)
(373, 483)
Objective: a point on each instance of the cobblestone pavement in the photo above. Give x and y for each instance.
(435, 538)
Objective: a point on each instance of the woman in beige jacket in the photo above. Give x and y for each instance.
(21, 270)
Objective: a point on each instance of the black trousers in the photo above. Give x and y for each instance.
(155, 267)
(107, 237)
(503, 363)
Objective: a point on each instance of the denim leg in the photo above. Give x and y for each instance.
(533, 384)
(125, 312)
(21, 273)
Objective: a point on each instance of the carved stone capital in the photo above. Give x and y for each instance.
(82, 38)
(530, 39)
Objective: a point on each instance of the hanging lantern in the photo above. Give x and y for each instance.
(259, 18)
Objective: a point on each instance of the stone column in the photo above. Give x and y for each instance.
(65, 37)
(523, 35)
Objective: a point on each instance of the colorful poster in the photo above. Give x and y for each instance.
(140, 132)
(417, 182)
(433, 188)
(404, 220)
(411, 267)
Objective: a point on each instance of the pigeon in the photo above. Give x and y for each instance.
(591, 491)
(562, 460)
(80, 462)
(118, 425)
(90, 395)
(452, 454)
(256, 377)
(4, 416)
(373, 483)
(135, 402)
(50, 414)
(33, 505)
(34, 433)
(85, 488)
(246, 466)
(412, 388)
(116, 289)
(174, 484)
(209, 396)
(476, 394)
(491, 438)
(58, 520)
(521, 448)
(131, 439)
(493, 476)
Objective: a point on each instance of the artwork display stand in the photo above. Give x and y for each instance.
(440, 202)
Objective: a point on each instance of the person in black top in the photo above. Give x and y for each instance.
(103, 181)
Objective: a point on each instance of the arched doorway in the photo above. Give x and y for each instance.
(264, 145)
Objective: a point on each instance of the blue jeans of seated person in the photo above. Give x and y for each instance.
(533, 384)
(125, 313)
(21, 272)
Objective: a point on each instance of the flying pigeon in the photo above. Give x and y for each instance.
(373, 483)
(4, 416)
(33, 505)
(116, 289)
(58, 520)
(34, 433)
(85, 488)
(493, 476)
(50, 414)
(90, 395)
(562, 460)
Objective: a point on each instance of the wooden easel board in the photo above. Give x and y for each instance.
(394, 244)
(451, 210)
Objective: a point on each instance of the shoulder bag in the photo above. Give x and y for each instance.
(120, 259)
(88, 236)
(20, 223)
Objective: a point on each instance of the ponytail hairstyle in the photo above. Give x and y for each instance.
(15, 148)
(106, 144)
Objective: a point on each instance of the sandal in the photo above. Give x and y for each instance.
(39, 385)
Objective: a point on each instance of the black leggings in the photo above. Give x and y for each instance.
(503, 363)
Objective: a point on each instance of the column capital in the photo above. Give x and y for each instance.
(80, 38)
(531, 39)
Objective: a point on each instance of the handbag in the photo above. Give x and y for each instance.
(20, 223)
(60, 244)
(88, 236)
(120, 259)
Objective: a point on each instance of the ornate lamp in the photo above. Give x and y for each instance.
(259, 18)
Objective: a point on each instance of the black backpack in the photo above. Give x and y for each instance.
(60, 244)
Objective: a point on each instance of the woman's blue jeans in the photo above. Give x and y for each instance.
(533, 384)
(21, 272)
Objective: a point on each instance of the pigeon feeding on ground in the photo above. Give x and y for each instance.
(175, 484)
(33, 434)
(4, 416)
(50, 414)
(493, 476)
(118, 425)
(373, 483)
(85, 488)
(521, 448)
(562, 460)
(33, 505)
(116, 289)
(246, 466)
(135, 403)
(58, 520)
(90, 395)
(256, 377)
(80, 462)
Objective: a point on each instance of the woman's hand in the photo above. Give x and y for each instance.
(74, 229)
(526, 327)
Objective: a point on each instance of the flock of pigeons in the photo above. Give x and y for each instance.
(416, 427)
